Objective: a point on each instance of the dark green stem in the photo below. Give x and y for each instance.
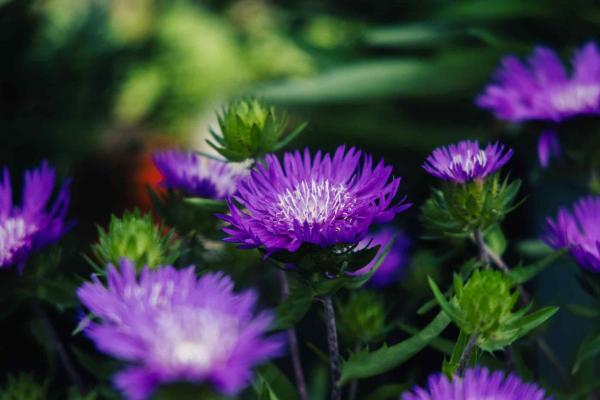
(466, 355)
(334, 351)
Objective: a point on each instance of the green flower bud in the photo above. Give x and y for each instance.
(250, 129)
(135, 236)
(457, 210)
(362, 317)
(23, 387)
(486, 301)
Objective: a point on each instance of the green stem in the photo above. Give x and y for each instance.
(466, 355)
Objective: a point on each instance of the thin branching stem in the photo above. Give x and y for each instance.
(334, 351)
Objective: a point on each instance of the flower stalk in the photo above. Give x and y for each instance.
(466, 354)
(334, 351)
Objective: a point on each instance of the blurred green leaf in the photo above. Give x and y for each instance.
(387, 392)
(520, 275)
(274, 384)
(589, 348)
(364, 364)
(294, 307)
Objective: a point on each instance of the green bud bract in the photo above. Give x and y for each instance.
(458, 209)
(136, 237)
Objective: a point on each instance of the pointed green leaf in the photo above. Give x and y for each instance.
(364, 364)
(453, 312)
(291, 136)
(520, 275)
(589, 348)
(276, 384)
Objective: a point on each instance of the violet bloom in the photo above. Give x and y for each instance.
(395, 261)
(477, 384)
(173, 327)
(578, 231)
(197, 175)
(542, 90)
(322, 200)
(466, 161)
(32, 225)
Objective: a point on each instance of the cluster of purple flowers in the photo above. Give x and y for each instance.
(175, 327)
(32, 225)
(477, 384)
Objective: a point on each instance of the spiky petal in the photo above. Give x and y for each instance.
(196, 174)
(32, 225)
(579, 231)
(175, 327)
(466, 161)
(322, 200)
(477, 384)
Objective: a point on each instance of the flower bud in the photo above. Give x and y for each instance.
(362, 317)
(136, 237)
(250, 129)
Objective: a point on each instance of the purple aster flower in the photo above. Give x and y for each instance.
(322, 200)
(396, 260)
(32, 225)
(196, 174)
(578, 231)
(466, 161)
(173, 326)
(477, 384)
(544, 91)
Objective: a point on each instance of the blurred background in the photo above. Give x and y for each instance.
(94, 86)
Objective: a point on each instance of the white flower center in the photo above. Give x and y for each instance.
(315, 203)
(469, 160)
(574, 98)
(13, 235)
(195, 338)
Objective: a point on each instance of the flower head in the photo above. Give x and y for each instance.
(477, 384)
(543, 90)
(466, 161)
(32, 225)
(578, 231)
(322, 200)
(175, 327)
(395, 261)
(197, 175)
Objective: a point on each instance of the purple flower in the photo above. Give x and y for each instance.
(466, 161)
(197, 175)
(548, 146)
(395, 262)
(543, 90)
(322, 200)
(174, 327)
(477, 384)
(578, 231)
(32, 225)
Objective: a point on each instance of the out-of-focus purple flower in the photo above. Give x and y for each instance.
(466, 161)
(578, 231)
(197, 175)
(396, 260)
(175, 327)
(33, 225)
(322, 200)
(543, 90)
(548, 146)
(477, 384)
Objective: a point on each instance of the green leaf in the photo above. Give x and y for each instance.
(589, 348)
(520, 275)
(359, 280)
(275, 384)
(496, 240)
(526, 324)
(294, 307)
(364, 364)
(441, 344)
(581, 310)
(207, 204)
(453, 312)
(450, 366)
(291, 136)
